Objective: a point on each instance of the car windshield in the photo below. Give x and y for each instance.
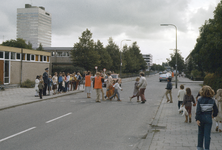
(114, 76)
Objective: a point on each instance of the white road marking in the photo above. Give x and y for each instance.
(58, 117)
(17, 134)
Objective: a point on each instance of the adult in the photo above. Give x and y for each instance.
(103, 76)
(67, 82)
(88, 81)
(206, 109)
(55, 82)
(169, 90)
(218, 98)
(142, 86)
(98, 80)
(109, 85)
(45, 80)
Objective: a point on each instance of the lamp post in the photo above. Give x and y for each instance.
(120, 70)
(176, 46)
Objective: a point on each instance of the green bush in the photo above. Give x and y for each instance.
(213, 80)
(28, 84)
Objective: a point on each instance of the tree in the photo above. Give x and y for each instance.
(105, 58)
(19, 43)
(84, 54)
(40, 48)
(114, 53)
(180, 61)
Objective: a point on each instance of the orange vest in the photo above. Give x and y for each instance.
(98, 83)
(87, 80)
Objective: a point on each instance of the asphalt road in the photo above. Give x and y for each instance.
(76, 123)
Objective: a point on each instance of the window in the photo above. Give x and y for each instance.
(6, 55)
(67, 54)
(44, 58)
(40, 57)
(33, 57)
(59, 54)
(12, 55)
(47, 58)
(18, 56)
(1, 55)
(36, 57)
(53, 53)
(28, 57)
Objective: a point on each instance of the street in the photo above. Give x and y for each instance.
(76, 123)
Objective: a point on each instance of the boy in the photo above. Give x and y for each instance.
(169, 88)
(180, 95)
(41, 86)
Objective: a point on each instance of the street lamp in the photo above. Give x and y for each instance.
(176, 46)
(121, 56)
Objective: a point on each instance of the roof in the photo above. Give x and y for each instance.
(58, 48)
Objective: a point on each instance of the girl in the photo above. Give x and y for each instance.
(206, 109)
(116, 86)
(218, 98)
(54, 81)
(88, 82)
(136, 90)
(36, 86)
(41, 86)
(188, 98)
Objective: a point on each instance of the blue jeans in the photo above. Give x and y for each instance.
(115, 92)
(179, 104)
(204, 131)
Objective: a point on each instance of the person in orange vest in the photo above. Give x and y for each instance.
(172, 74)
(88, 81)
(98, 80)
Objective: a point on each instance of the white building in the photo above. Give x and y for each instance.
(34, 25)
(149, 60)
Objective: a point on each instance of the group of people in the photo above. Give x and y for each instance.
(113, 87)
(207, 108)
(58, 83)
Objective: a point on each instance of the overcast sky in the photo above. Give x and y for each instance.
(137, 20)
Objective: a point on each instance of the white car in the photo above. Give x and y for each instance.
(163, 77)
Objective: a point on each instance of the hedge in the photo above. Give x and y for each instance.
(213, 80)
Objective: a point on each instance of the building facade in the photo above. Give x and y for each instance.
(18, 65)
(148, 58)
(34, 25)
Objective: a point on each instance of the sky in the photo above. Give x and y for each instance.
(136, 20)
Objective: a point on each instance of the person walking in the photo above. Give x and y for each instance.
(187, 101)
(116, 86)
(218, 119)
(45, 79)
(206, 109)
(142, 86)
(169, 90)
(180, 95)
(88, 83)
(98, 80)
(136, 90)
(109, 85)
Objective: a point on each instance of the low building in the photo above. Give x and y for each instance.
(18, 64)
(148, 58)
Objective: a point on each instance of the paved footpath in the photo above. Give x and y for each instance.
(169, 130)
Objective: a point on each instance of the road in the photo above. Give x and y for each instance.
(76, 123)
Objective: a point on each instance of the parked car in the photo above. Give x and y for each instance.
(163, 77)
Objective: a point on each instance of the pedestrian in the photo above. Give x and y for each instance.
(63, 82)
(60, 80)
(180, 95)
(218, 119)
(49, 84)
(36, 86)
(109, 85)
(71, 81)
(169, 90)
(41, 87)
(187, 102)
(79, 77)
(74, 81)
(67, 81)
(142, 86)
(103, 76)
(45, 79)
(136, 90)
(98, 80)
(54, 82)
(117, 87)
(88, 82)
(206, 109)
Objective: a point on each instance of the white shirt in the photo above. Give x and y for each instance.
(181, 94)
(116, 86)
(68, 78)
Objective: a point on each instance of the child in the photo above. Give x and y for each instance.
(218, 98)
(41, 86)
(188, 98)
(116, 86)
(180, 95)
(206, 109)
(36, 86)
(98, 80)
(49, 84)
(169, 88)
(136, 90)
(60, 80)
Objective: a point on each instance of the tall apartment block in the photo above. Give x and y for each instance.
(148, 58)
(34, 25)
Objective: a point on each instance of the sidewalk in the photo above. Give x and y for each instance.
(169, 132)
(20, 96)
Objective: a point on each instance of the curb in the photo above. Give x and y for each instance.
(35, 101)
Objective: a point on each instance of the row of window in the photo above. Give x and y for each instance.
(26, 57)
(61, 54)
